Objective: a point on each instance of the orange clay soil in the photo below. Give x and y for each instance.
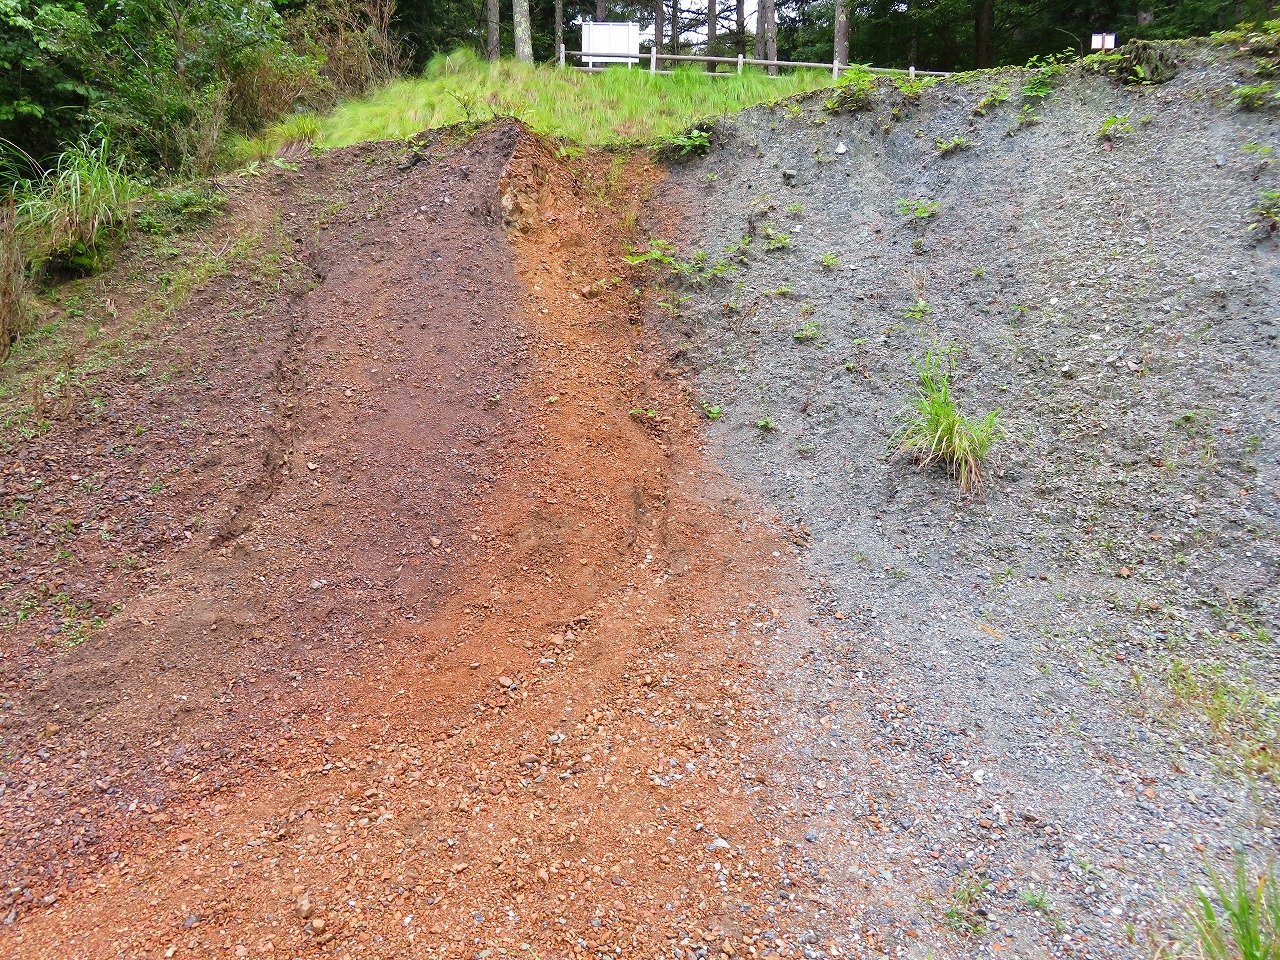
(449, 667)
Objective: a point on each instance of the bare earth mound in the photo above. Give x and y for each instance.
(447, 662)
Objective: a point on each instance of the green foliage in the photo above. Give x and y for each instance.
(829, 261)
(934, 430)
(1139, 62)
(918, 311)
(766, 425)
(1258, 96)
(1115, 125)
(1238, 918)
(854, 91)
(773, 240)
(694, 142)
(964, 914)
(658, 252)
(809, 332)
(1039, 84)
(994, 97)
(912, 89)
(918, 209)
(41, 93)
(178, 76)
(1267, 211)
(713, 411)
(179, 208)
(954, 145)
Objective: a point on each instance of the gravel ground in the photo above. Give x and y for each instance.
(1028, 719)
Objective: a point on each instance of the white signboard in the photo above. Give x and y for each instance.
(1104, 41)
(610, 43)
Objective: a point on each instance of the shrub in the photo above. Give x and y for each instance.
(935, 431)
(854, 91)
(694, 142)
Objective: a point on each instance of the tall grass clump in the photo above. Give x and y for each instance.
(66, 218)
(934, 430)
(1238, 918)
(615, 106)
(71, 215)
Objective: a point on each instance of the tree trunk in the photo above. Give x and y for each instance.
(713, 15)
(675, 26)
(659, 9)
(770, 33)
(523, 31)
(602, 11)
(741, 41)
(842, 32)
(759, 30)
(559, 28)
(984, 34)
(492, 49)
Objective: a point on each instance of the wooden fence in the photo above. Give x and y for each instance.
(656, 58)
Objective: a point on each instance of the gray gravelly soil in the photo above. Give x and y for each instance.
(1025, 720)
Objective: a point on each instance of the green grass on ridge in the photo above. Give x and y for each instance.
(616, 106)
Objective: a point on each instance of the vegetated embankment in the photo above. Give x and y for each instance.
(1069, 681)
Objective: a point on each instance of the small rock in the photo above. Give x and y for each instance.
(304, 908)
(435, 543)
(505, 681)
(717, 844)
(811, 836)
(316, 584)
(318, 925)
(841, 149)
(52, 729)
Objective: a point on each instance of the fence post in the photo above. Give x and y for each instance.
(653, 59)
(739, 64)
(835, 69)
(911, 72)
(562, 54)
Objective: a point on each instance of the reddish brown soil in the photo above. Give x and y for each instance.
(428, 650)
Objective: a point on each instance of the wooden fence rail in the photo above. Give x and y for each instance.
(656, 58)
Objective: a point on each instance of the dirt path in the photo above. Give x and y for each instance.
(452, 665)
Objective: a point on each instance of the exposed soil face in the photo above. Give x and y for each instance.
(1041, 664)
(429, 628)
(453, 662)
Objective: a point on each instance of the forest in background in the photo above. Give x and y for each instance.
(168, 82)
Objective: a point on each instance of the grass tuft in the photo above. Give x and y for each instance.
(1238, 918)
(935, 431)
(616, 106)
(72, 214)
